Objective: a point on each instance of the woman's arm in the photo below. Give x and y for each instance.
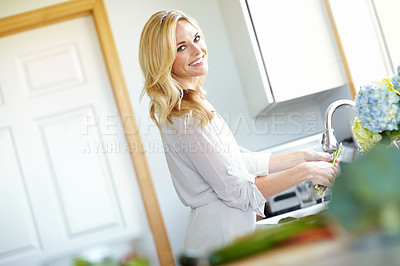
(201, 149)
(321, 172)
(281, 162)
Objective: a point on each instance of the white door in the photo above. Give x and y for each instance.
(66, 179)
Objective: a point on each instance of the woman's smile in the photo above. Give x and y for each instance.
(197, 62)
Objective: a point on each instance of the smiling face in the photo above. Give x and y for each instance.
(191, 55)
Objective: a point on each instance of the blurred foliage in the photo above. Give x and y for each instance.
(366, 194)
(104, 262)
(136, 261)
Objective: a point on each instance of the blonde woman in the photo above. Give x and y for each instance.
(224, 188)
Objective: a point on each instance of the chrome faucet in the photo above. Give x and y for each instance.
(329, 141)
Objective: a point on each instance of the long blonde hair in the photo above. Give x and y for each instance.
(157, 52)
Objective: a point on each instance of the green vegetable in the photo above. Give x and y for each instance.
(287, 220)
(320, 188)
(262, 240)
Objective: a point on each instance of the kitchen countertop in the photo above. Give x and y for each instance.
(341, 250)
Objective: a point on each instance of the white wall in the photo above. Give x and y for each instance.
(127, 18)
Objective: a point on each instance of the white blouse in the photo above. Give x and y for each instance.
(215, 179)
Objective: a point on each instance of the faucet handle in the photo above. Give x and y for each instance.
(329, 141)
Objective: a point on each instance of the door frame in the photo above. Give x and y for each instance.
(95, 8)
(339, 45)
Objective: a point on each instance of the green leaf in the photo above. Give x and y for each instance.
(364, 188)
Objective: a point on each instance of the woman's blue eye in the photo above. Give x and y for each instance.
(181, 48)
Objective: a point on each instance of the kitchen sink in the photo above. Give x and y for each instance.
(295, 214)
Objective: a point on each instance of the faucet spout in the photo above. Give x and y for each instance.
(329, 141)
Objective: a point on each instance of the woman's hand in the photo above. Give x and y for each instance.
(296, 167)
(311, 156)
(320, 172)
(281, 162)
(314, 156)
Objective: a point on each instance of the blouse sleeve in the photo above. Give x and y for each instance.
(202, 149)
(257, 163)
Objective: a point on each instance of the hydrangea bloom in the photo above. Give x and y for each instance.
(396, 79)
(364, 137)
(378, 108)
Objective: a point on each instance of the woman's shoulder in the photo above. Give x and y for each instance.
(182, 125)
(177, 124)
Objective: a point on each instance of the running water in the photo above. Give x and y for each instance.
(326, 194)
